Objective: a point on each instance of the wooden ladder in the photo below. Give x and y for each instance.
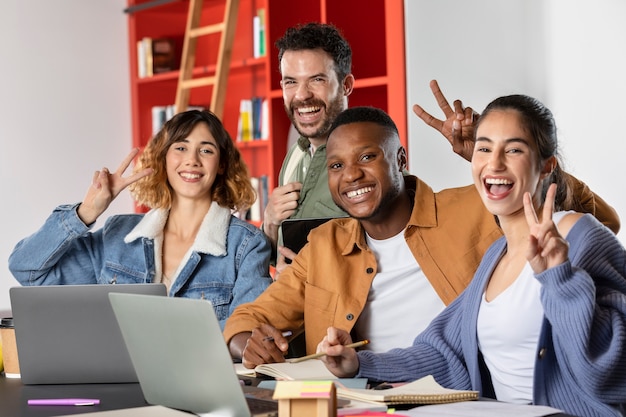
(193, 31)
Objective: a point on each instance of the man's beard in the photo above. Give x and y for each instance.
(332, 111)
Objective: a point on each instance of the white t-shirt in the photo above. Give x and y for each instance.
(401, 302)
(508, 330)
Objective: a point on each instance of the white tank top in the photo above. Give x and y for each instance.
(508, 330)
(401, 302)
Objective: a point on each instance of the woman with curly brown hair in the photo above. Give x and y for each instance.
(192, 178)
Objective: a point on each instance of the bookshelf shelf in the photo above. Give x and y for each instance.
(241, 65)
(375, 32)
(258, 143)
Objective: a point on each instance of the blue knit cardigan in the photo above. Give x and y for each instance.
(581, 354)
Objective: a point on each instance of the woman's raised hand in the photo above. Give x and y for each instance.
(546, 248)
(105, 187)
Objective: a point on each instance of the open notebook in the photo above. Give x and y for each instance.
(422, 391)
(313, 369)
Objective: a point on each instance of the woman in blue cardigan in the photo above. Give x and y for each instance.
(544, 319)
(192, 177)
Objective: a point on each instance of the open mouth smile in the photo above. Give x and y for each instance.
(498, 186)
(190, 176)
(360, 191)
(308, 111)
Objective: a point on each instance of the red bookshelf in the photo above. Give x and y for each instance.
(375, 31)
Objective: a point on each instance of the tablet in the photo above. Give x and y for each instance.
(296, 231)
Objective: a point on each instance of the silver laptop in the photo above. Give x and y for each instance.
(180, 356)
(67, 334)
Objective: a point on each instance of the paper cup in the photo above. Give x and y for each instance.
(9, 348)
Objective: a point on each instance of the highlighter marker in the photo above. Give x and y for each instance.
(65, 401)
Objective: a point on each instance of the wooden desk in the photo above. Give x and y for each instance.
(14, 396)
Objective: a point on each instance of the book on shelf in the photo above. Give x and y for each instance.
(422, 391)
(260, 185)
(263, 193)
(144, 56)
(254, 213)
(253, 119)
(256, 117)
(244, 125)
(155, 56)
(265, 119)
(259, 34)
(161, 114)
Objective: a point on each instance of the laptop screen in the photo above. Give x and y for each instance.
(68, 334)
(180, 355)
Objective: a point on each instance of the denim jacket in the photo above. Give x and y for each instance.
(228, 263)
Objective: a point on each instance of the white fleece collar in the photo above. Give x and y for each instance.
(211, 238)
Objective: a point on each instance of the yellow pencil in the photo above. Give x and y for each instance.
(320, 354)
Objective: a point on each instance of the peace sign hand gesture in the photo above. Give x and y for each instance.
(105, 186)
(547, 248)
(458, 125)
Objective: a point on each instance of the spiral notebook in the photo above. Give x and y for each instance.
(422, 391)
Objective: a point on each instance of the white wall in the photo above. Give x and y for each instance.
(569, 54)
(64, 109)
(587, 62)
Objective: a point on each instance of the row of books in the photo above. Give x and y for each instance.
(161, 114)
(253, 118)
(155, 56)
(253, 121)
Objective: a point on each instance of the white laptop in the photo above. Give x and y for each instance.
(180, 356)
(67, 334)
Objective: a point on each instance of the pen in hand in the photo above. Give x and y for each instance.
(320, 354)
(286, 333)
